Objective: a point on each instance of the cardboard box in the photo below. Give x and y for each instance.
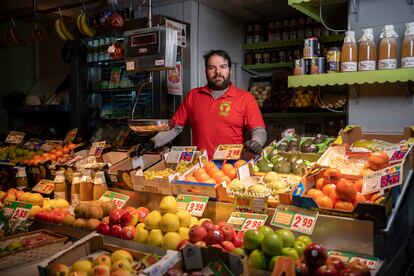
(95, 242)
(196, 258)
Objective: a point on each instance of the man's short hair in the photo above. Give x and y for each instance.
(221, 53)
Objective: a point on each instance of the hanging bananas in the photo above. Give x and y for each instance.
(83, 26)
(62, 30)
(38, 32)
(13, 37)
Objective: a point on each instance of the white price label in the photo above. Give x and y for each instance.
(118, 202)
(97, 148)
(117, 198)
(196, 208)
(252, 224)
(302, 223)
(15, 137)
(371, 264)
(21, 213)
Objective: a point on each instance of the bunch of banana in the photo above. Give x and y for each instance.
(83, 26)
(62, 30)
(13, 37)
(38, 32)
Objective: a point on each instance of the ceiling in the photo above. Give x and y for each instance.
(246, 10)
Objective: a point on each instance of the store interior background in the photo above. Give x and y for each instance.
(217, 24)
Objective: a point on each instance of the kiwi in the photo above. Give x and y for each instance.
(80, 210)
(92, 224)
(94, 211)
(107, 207)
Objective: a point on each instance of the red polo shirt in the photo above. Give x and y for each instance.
(220, 121)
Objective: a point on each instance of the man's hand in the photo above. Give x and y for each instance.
(145, 147)
(253, 146)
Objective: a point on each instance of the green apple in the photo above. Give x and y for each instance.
(290, 252)
(258, 259)
(82, 265)
(124, 263)
(265, 230)
(305, 239)
(287, 237)
(299, 247)
(102, 259)
(272, 244)
(252, 239)
(141, 235)
(120, 255)
(272, 263)
(239, 251)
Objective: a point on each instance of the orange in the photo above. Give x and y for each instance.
(320, 183)
(232, 173)
(239, 163)
(199, 172)
(66, 149)
(190, 178)
(358, 185)
(329, 189)
(45, 155)
(217, 174)
(226, 168)
(52, 151)
(202, 177)
(210, 166)
(210, 180)
(71, 145)
(59, 153)
(324, 201)
(344, 205)
(345, 190)
(58, 148)
(314, 193)
(359, 198)
(333, 197)
(53, 156)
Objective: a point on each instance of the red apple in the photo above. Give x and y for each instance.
(197, 233)
(221, 224)
(41, 215)
(115, 230)
(49, 217)
(201, 243)
(238, 239)
(208, 225)
(349, 272)
(129, 208)
(228, 232)
(315, 256)
(214, 236)
(216, 245)
(128, 232)
(142, 213)
(115, 216)
(228, 246)
(129, 218)
(326, 270)
(335, 262)
(103, 228)
(359, 267)
(57, 218)
(301, 269)
(182, 244)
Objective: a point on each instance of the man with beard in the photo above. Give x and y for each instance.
(217, 112)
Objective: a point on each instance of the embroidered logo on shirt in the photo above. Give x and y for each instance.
(225, 109)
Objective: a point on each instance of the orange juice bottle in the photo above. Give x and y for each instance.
(367, 55)
(388, 48)
(407, 53)
(349, 53)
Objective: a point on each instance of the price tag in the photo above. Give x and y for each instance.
(177, 154)
(71, 135)
(97, 148)
(383, 179)
(228, 152)
(288, 133)
(44, 186)
(17, 210)
(195, 205)
(347, 257)
(246, 221)
(295, 218)
(250, 204)
(117, 198)
(15, 137)
(399, 152)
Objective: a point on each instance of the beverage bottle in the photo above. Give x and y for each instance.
(286, 30)
(21, 179)
(293, 34)
(60, 185)
(407, 54)
(75, 188)
(388, 48)
(367, 53)
(278, 31)
(99, 185)
(86, 186)
(349, 53)
(301, 28)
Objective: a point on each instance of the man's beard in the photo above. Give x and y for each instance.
(222, 84)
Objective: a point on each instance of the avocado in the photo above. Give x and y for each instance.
(264, 166)
(320, 138)
(307, 143)
(294, 142)
(294, 148)
(272, 154)
(277, 160)
(293, 158)
(284, 167)
(299, 167)
(310, 149)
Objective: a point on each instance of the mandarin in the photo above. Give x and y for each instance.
(239, 163)
(345, 190)
(344, 205)
(324, 201)
(329, 189)
(199, 172)
(202, 177)
(358, 185)
(320, 183)
(314, 193)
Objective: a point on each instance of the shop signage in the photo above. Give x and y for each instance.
(44, 186)
(383, 179)
(399, 152)
(15, 137)
(250, 204)
(246, 221)
(195, 205)
(177, 154)
(117, 198)
(17, 210)
(181, 31)
(174, 81)
(295, 218)
(71, 135)
(228, 152)
(347, 257)
(97, 148)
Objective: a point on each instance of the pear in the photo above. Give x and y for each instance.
(141, 235)
(171, 240)
(170, 223)
(184, 217)
(155, 238)
(153, 220)
(82, 265)
(183, 232)
(168, 204)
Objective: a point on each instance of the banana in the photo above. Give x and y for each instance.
(85, 26)
(65, 30)
(58, 30)
(14, 36)
(79, 25)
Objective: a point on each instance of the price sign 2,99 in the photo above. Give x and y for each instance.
(252, 224)
(302, 223)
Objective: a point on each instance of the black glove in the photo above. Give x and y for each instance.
(145, 147)
(253, 146)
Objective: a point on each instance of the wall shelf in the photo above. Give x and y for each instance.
(303, 115)
(311, 7)
(351, 78)
(112, 90)
(267, 66)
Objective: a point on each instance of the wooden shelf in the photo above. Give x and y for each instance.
(311, 8)
(267, 66)
(303, 115)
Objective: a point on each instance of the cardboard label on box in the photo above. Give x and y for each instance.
(71, 135)
(250, 204)
(193, 204)
(399, 152)
(117, 198)
(246, 221)
(44, 186)
(15, 137)
(177, 154)
(97, 148)
(295, 218)
(228, 152)
(383, 179)
(17, 210)
(347, 257)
